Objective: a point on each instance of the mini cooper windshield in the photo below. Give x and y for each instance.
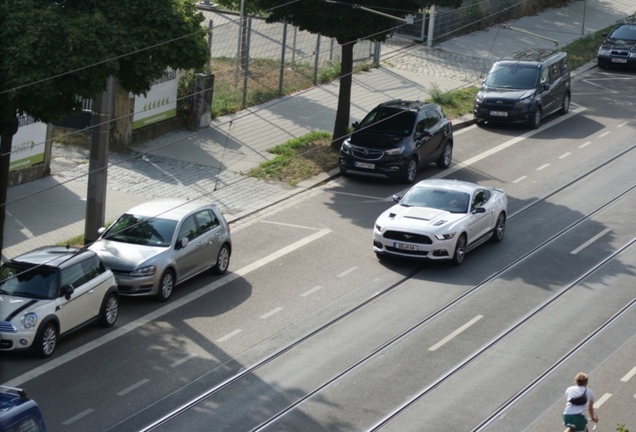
(513, 76)
(142, 231)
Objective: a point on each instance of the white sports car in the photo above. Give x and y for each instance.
(441, 220)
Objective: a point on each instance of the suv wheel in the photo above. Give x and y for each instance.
(45, 340)
(565, 105)
(410, 172)
(446, 157)
(535, 121)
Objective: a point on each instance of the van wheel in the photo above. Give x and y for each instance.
(411, 171)
(445, 158)
(535, 121)
(565, 105)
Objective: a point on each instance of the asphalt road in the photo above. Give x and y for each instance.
(301, 263)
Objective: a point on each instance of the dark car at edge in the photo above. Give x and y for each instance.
(619, 47)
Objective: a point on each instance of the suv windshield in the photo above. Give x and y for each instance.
(38, 282)
(393, 121)
(513, 76)
(142, 231)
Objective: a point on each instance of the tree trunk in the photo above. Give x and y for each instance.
(123, 110)
(344, 96)
(7, 130)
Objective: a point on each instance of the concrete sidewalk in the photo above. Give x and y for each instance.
(211, 162)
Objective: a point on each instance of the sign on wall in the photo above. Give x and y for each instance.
(159, 104)
(28, 144)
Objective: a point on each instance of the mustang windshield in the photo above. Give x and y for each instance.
(442, 199)
(142, 231)
(392, 121)
(513, 76)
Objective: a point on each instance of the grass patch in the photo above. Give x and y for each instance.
(71, 137)
(299, 159)
(454, 103)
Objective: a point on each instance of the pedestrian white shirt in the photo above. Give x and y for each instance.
(574, 392)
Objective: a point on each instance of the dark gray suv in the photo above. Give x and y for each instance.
(525, 88)
(397, 138)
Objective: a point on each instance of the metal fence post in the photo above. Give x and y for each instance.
(246, 63)
(316, 60)
(282, 60)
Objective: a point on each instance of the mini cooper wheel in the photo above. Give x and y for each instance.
(410, 172)
(446, 157)
(166, 285)
(109, 311)
(460, 250)
(222, 260)
(500, 228)
(46, 340)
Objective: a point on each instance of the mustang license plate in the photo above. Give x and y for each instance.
(405, 246)
(364, 165)
(619, 60)
(499, 113)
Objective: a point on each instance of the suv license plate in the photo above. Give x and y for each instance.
(619, 60)
(499, 113)
(364, 165)
(405, 246)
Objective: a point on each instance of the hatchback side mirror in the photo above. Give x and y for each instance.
(182, 243)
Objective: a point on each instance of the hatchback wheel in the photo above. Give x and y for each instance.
(109, 311)
(222, 260)
(446, 157)
(410, 172)
(460, 250)
(46, 340)
(166, 285)
(500, 228)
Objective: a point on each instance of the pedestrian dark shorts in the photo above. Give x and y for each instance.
(577, 420)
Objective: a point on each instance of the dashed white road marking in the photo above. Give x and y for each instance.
(585, 144)
(598, 403)
(272, 312)
(622, 124)
(77, 417)
(183, 360)
(629, 375)
(604, 134)
(590, 241)
(133, 387)
(564, 155)
(455, 333)
(311, 291)
(230, 335)
(346, 272)
(542, 167)
(520, 179)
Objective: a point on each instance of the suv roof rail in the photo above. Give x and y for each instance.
(20, 392)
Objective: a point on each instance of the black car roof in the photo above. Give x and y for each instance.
(53, 256)
(405, 105)
(533, 55)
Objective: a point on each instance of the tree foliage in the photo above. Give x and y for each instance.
(52, 53)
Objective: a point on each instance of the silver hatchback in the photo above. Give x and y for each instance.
(159, 244)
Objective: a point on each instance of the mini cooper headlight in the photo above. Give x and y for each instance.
(448, 236)
(29, 320)
(144, 271)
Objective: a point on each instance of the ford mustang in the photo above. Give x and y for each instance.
(441, 220)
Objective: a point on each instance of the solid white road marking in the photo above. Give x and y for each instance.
(175, 304)
(290, 225)
(629, 375)
(230, 335)
(590, 241)
(455, 333)
(135, 386)
(311, 291)
(272, 312)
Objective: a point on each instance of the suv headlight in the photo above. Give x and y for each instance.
(523, 102)
(395, 151)
(345, 147)
(29, 320)
(144, 271)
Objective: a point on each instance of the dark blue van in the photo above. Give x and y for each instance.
(18, 413)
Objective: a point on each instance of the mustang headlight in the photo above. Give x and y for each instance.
(29, 320)
(345, 147)
(395, 151)
(144, 271)
(447, 236)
